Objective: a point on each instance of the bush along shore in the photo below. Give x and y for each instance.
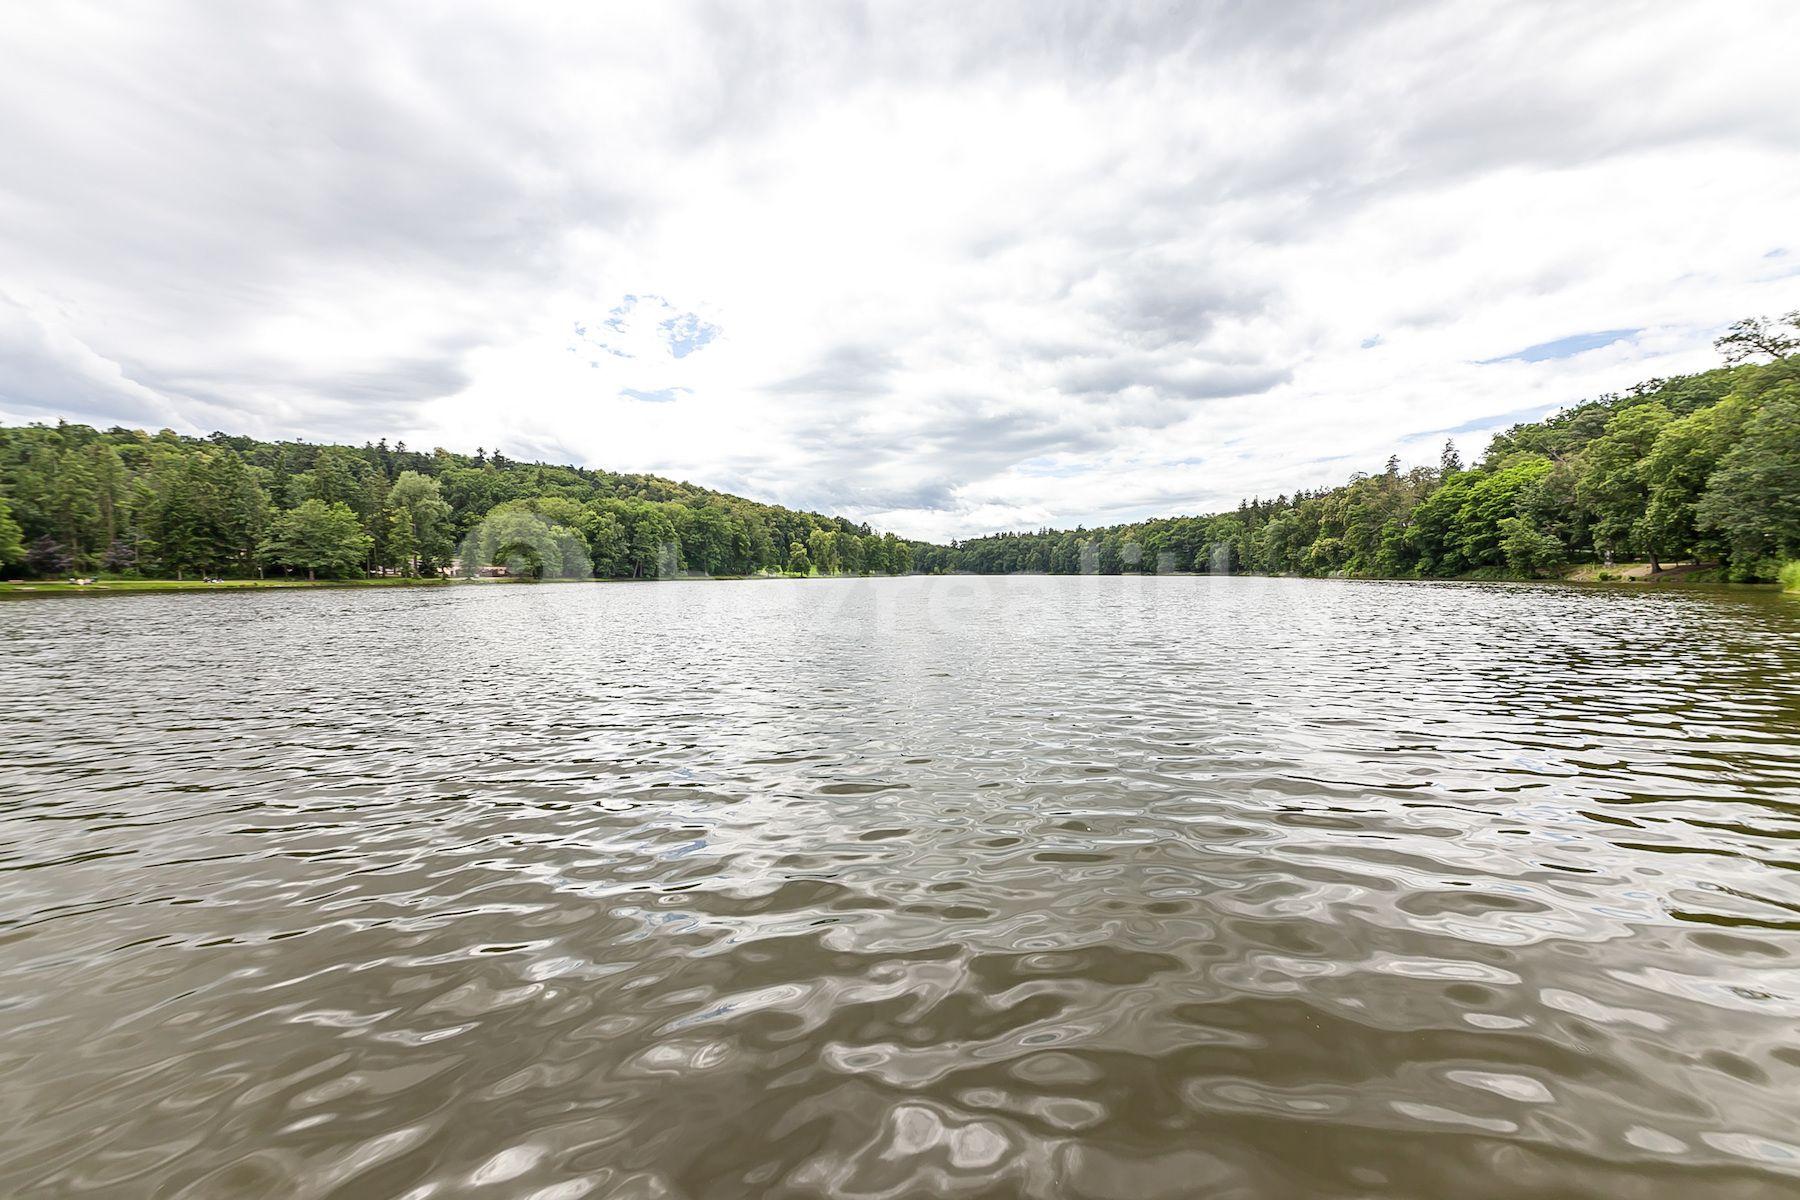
(1695, 478)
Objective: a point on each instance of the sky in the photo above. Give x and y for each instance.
(947, 268)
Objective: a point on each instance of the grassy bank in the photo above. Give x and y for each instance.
(59, 587)
(1644, 573)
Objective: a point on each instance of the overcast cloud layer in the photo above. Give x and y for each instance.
(947, 268)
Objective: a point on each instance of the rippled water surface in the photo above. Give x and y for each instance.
(1077, 887)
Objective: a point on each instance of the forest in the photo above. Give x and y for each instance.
(1700, 469)
(126, 503)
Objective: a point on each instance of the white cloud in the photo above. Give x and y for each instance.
(946, 269)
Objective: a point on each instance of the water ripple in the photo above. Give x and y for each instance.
(1080, 887)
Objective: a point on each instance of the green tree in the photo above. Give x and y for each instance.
(1433, 539)
(1676, 471)
(1612, 485)
(558, 510)
(850, 554)
(1527, 551)
(1494, 496)
(821, 551)
(472, 492)
(318, 538)
(516, 536)
(112, 491)
(1449, 461)
(337, 479)
(12, 538)
(237, 509)
(76, 506)
(705, 535)
(418, 501)
(607, 546)
(898, 555)
(653, 548)
(181, 529)
(1753, 499)
(400, 545)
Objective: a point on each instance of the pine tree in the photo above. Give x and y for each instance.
(1449, 462)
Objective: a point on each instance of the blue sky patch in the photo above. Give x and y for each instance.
(686, 333)
(640, 319)
(1563, 347)
(1493, 421)
(666, 395)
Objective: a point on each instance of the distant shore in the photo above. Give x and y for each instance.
(1623, 574)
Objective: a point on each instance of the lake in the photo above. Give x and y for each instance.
(1050, 887)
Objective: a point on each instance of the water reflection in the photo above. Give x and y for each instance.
(1039, 887)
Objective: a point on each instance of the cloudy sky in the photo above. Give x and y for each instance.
(946, 267)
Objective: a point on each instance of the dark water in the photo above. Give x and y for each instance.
(1124, 888)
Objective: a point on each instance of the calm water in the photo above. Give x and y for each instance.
(1120, 888)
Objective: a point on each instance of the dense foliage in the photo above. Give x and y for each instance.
(77, 500)
(1703, 468)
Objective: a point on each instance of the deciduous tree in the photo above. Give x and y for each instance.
(318, 538)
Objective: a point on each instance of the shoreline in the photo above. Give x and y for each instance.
(25, 588)
(1582, 577)
(59, 587)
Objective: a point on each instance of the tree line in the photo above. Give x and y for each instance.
(76, 500)
(1701, 468)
